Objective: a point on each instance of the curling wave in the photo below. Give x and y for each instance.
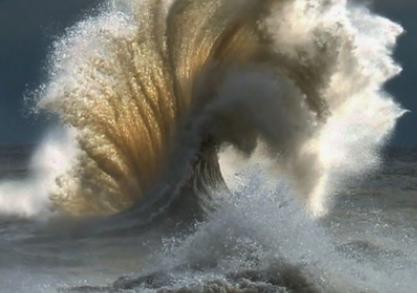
(160, 96)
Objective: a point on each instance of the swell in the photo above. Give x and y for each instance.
(155, 89)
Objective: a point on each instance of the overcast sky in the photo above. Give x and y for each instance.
(27, 28)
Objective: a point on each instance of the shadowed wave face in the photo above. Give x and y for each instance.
(150, 93)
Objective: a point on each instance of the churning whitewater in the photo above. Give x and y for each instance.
(169, 107)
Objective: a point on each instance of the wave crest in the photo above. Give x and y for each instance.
(154, 89)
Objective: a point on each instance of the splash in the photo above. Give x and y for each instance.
(31, 196)
(154, 90)
(261, 240)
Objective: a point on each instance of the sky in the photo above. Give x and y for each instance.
(28, 27)
(404, 87)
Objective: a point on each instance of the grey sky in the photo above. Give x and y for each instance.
(27, 28)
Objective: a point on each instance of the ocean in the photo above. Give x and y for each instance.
(214, 146)
(365, 244)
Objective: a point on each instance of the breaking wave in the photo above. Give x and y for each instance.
(160, 100)
(227, 124)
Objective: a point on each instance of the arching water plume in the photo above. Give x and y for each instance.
(155, 88)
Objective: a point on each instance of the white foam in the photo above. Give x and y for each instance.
(31, 196)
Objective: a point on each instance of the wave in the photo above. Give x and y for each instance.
(162, 100)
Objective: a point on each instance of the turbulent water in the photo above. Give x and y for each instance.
(213, 146)
(259, 240)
